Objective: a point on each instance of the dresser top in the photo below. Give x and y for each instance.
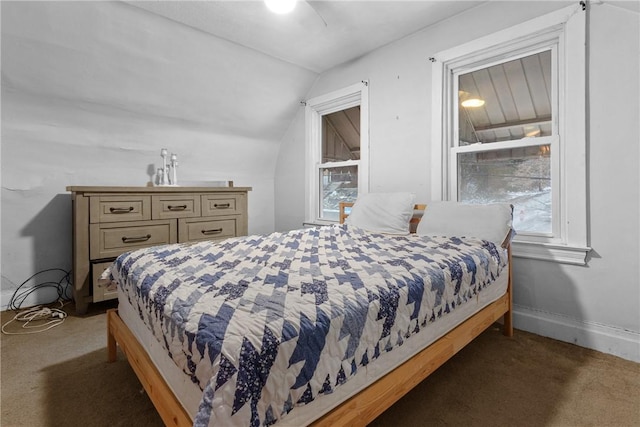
(159, 189)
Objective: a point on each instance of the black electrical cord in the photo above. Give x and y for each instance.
(62, 286)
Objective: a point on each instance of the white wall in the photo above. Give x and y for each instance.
(91, 91)
(597, 306)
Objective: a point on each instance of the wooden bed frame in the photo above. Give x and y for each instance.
(358, 410)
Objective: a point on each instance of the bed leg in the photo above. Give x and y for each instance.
(112, 347)
(507, 326)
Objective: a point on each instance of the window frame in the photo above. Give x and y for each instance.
(566, 27)
(315, 109)
(549, 41)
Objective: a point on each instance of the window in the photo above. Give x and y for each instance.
(506, 138)
(337, 142)
(512, 108)
(340, 158)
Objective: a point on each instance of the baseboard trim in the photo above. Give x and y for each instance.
(603, 338)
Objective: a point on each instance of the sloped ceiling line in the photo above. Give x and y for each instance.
(346, 29)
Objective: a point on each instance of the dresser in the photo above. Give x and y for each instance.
(108, 221)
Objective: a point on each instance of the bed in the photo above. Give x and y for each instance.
(318, 326)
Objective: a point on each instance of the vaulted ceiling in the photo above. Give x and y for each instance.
(317, 35)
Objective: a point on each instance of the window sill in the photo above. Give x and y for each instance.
(317, 223)
(565, 254)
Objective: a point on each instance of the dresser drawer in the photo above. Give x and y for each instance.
(102, 289)
(191, 230)
(222, 204)
(175, 206)
(110, 240)
(119, 208)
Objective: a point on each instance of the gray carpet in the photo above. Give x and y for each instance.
(61, 378)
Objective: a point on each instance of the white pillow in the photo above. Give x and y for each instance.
(383, 212)
(491, 222)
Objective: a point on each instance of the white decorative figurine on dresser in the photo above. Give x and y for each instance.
(163, 177)
(108, 221)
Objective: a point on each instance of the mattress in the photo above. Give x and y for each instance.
(190, 394)
(493, 286)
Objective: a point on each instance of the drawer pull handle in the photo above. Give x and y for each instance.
(121, 210)
(222, 206)
(177, 208)
(212, 231)
(136, 239)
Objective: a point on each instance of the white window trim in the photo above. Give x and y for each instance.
(568, 24)
(351, 96)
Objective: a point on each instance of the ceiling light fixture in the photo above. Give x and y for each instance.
(280, 6)
(472, 103)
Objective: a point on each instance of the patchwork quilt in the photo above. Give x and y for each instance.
(265, 323)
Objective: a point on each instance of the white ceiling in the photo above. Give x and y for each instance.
(317, 35)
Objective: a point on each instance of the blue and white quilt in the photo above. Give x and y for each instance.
(265, 323)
